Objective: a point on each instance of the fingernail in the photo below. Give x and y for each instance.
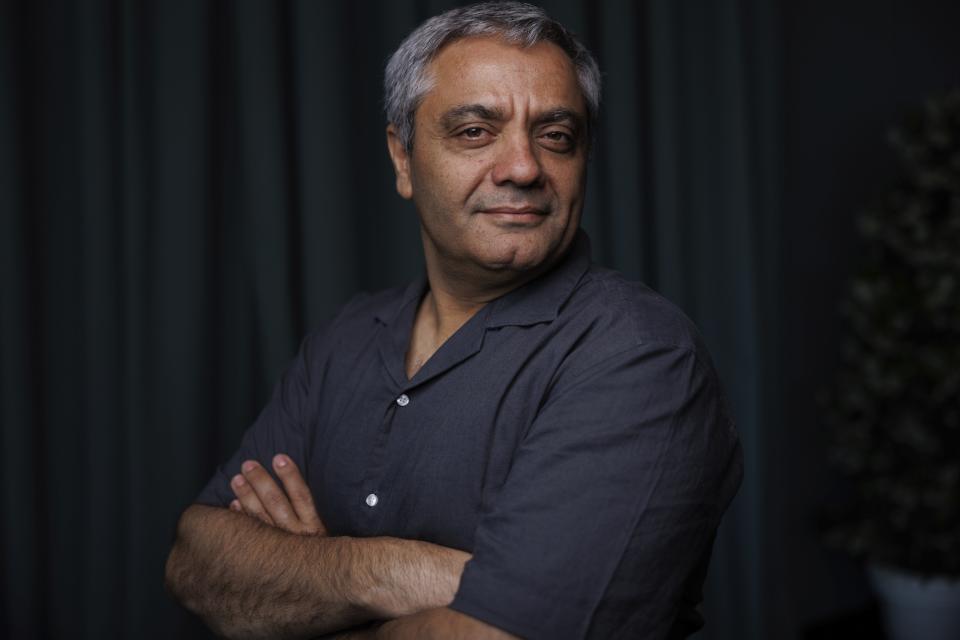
(248, 466)
(235, 505)
(280, 460)
(238, 480)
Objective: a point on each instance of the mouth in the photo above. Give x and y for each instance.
(516, 215)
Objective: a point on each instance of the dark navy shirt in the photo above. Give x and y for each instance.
(572, 436)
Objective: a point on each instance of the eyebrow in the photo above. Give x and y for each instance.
(483, 112)
(560, 115)
(454, 115)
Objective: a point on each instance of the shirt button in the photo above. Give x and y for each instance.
(403, 401)
(372, 500)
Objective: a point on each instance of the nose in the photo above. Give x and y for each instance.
(517, 163)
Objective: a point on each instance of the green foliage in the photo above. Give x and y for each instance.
(894, 411)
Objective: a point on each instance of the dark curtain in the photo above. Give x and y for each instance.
(187, 186)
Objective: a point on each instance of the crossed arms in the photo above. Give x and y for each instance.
(267, 568)
(629, 507)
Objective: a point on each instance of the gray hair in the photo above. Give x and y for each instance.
(406, 81)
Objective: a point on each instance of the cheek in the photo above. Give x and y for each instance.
(452, 183)
(570, 182)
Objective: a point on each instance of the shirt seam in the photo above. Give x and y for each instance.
(637, 346)
(615, 287)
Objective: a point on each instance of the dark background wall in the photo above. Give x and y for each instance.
(851, 70)
(185, 187)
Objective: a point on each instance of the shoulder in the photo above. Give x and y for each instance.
(355, 322)
(617, 315)
(368, 307)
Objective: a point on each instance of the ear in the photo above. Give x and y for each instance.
(401, 162)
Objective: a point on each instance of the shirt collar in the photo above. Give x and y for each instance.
(537, 301)
(392, 307)
(540, 300)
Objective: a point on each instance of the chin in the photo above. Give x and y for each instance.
(516, 256)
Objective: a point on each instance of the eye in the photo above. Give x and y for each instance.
(557, 140)
(474, 136)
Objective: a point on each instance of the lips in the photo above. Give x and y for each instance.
(516, 210)
(516, 216)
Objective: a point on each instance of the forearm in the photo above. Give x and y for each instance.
(250, 580)
(436, 624)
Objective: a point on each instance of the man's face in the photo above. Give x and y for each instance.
(498, 166)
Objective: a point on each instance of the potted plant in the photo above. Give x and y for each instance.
(894, 411)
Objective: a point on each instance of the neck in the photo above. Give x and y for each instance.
(452, 299)
(440, 314)
(455, 297)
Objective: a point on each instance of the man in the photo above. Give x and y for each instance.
(522, 444)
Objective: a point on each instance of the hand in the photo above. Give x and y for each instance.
(290, 508)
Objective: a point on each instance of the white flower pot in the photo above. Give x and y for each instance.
(915, 607)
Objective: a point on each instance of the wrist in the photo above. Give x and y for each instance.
(387, 578)
(380, 581)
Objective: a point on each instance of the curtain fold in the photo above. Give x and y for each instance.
(714, 188)
(187, 187)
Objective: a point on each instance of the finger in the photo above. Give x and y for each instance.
(301, 499)
(235, 506)
(271, 496)
(248, 500)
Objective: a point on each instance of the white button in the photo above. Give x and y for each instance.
(372, 500)
(403, 401)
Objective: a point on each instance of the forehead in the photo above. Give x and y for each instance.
(491, 70)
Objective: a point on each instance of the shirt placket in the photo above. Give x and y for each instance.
(374, 496)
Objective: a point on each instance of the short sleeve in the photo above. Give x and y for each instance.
(278, 429)
(611, 503)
